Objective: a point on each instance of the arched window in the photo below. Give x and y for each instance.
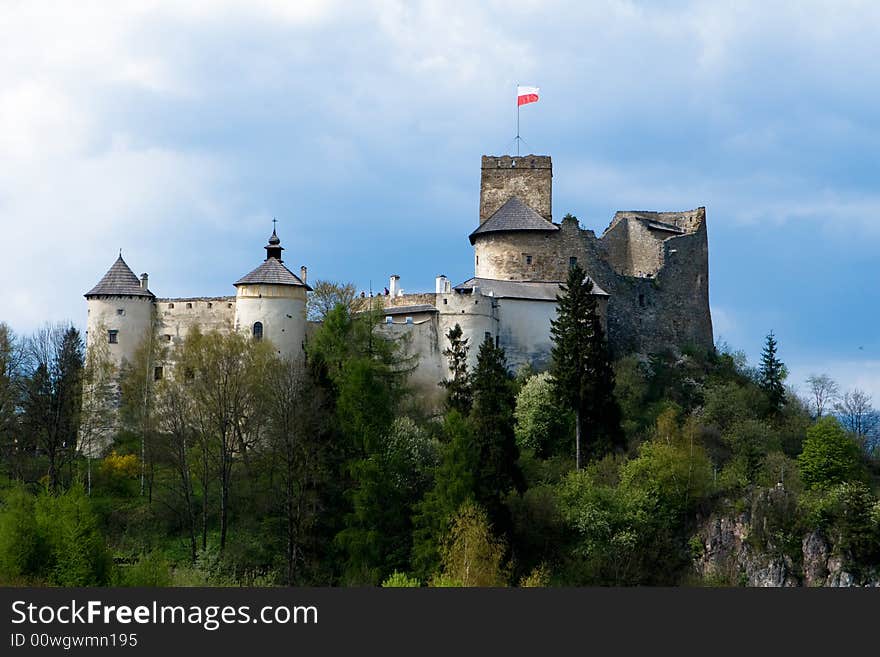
(258, 330)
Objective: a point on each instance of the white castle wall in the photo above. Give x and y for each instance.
(282, 311)
(130, 316)
(176, 317)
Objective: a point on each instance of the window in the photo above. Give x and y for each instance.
(120, 311)
(258, 330)
(487, 336)
(167, 337)
(478, 259)
(572, 261)
(157, 373)
(229, 305)
(188, 374)
(170, 306)
(189, 306)
(113, 337)
(409, 320)
(210, 305)
(642, 300)
(389, 320)
(528, 258)
(445, 301)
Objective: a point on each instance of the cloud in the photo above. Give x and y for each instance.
(849, 374)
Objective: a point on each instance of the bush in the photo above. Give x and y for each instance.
(541, 422)
(151, 569)
(830, 456)
(400, 580)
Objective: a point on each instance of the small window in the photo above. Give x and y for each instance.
(170, 306)
(528, 258)
(478, 259)
(189, 374)
(445, 301)
(642, 300)
(157, 373)
(487, 336)
(409, 320)
(258, 330)
(389, 320)
(167, 337)
(120, 312)
(229, 305)
(210, 305)
(113, 337)
(189, 306)
(572, 261)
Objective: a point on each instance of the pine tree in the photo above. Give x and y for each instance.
(772, 374)
(458, 388)
(581, 366)
(493, 423)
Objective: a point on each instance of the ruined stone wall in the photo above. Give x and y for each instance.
(528, 177)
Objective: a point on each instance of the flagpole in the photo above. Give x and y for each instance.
(517, 123)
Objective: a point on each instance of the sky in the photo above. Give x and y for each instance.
(176, 131)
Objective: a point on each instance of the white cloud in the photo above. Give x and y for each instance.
(849, 374)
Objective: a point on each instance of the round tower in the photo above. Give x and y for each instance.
(270, 303)
(120, 311)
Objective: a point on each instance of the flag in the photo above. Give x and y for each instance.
(525, 95)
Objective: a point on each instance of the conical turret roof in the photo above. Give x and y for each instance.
(119, 280)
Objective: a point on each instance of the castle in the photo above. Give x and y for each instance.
(649, 269)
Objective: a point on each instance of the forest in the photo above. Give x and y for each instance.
(237, 468)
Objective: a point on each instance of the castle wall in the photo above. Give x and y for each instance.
(129, 316)
(529, 177)
(421, 344)
(524, 332)
(282, 311)
(176, 317)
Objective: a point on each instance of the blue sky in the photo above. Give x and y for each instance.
(176, 131)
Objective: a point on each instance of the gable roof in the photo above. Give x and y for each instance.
(119, 280)
(513, 215)
(271, 272)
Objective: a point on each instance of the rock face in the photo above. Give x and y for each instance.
(726, 554)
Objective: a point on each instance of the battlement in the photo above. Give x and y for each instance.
(528, 177)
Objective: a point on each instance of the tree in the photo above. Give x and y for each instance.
(581, 366)
(11, 360)
(772, 374)
(497, 470)
(454, 483)
(227, 372)
(458, 388)
(830, 456)
(471, 554)
(541, 423)
(857, 414)
(53, 394)
(823, 392)
(98, 414)
(327, 295)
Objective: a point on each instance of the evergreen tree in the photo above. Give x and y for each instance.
(458, 388)
(772, 374)
(493, 424)
(581, 366)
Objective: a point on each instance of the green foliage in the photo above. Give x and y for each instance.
(829, 456)
(52, 539)
(772, 374)
(542, 424)
(497, 471)
(400, 580)
(151, 569)
(472, 555)
(581, 366)
(459, 396)
(849, 514)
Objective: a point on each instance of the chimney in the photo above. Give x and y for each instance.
(393, 285)
(441, 284)
(144, 281)
(303, 273)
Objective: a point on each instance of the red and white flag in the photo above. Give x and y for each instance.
(526, 95)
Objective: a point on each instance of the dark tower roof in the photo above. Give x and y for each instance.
(272, 271)
(513, 215)
(119, 280)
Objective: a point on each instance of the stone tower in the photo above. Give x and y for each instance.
(270, 303)
(512, 241)
(120, 312)
(530, 178)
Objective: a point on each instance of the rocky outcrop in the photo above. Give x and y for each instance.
(726, 553)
